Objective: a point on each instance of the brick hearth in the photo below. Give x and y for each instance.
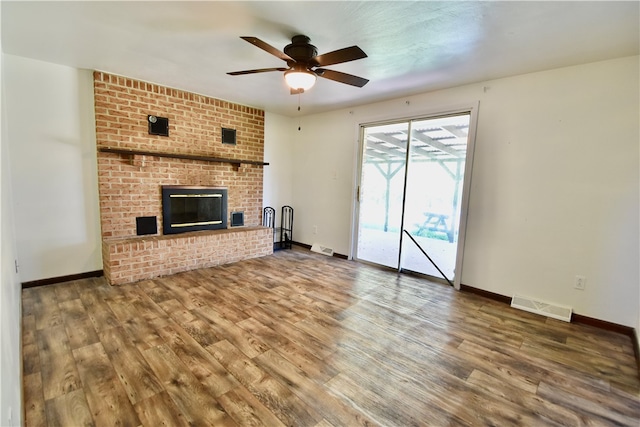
(130, 186)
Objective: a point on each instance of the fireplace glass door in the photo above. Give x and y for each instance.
(187, 208)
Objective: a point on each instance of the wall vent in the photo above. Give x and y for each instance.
(322, 250)
(540, 307)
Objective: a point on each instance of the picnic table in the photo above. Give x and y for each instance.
(437, 223)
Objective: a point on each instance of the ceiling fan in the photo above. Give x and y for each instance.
(303, 63)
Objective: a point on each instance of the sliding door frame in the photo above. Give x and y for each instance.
(472, 110)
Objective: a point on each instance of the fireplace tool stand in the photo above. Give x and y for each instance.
(282, 235)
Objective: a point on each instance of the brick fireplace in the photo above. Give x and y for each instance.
(193, 154)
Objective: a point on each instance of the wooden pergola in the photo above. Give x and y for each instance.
(445, 145)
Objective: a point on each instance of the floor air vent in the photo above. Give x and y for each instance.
(321, 250)
(546, 309)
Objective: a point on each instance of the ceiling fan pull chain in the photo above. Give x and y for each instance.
(299, 128)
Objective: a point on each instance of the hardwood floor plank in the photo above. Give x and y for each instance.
(628, 406)
(143, 332)
(47, 312)
(190, 397)
(301, 338)
(334, 410)
(289, 310)
(315, 328)
(600, 414)
(136, 376)
(592, 338)
(105, 394)
(618, 352)
(66, 291)
(213, 299)
(385, 408)
(158, 294)
(605, 367)
(201, 331)
(72, 309)
(250, 345)
(178, 285)
(143, 304)
(408, 351)
(122, 309)
(209, 293)
(246, 410)
(97, 309)
(271, 393)
(230, 298)
(506, 375)
(30, 359)
(28, 329)
(58, 368)
(28, 303)
(79, 328)
(527, 323)
(413, 384)
(257, 295)
(202, 364)
(176, 311)
(69, 409)
(303, 359)
(33, 400)
(81, 332)
(536, 369)
(555, 414)
(625, 388)
(159, 410)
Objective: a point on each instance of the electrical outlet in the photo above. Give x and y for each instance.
(315, 229)
(579, 282)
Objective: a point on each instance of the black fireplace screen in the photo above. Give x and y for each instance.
(193, 208)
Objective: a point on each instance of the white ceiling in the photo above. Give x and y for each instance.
(412, 47)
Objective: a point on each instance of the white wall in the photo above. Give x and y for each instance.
(555, 183)
(10, 289)
(278, 179)
(323, 170)
(54, 170)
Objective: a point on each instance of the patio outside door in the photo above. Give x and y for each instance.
(381, 193)
(413, 184)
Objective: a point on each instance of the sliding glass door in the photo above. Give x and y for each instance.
(411, 193)
(381, 194)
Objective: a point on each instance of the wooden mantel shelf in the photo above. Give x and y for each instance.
(178, 156)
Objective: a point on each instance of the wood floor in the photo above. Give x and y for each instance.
(300, 339)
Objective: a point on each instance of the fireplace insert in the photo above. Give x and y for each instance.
(193, 208)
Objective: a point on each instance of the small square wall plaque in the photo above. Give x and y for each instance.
(146, 225)
(158, 125)
(228, 136)
(237, 219)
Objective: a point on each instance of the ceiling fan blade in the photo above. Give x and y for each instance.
(341, 77)
(268, 48)
(260, 70)
(339, 56)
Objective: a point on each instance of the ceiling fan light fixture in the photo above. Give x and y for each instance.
(300, 79)
(301, 57)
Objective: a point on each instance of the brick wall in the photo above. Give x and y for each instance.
(130, 260)
(130, 186)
